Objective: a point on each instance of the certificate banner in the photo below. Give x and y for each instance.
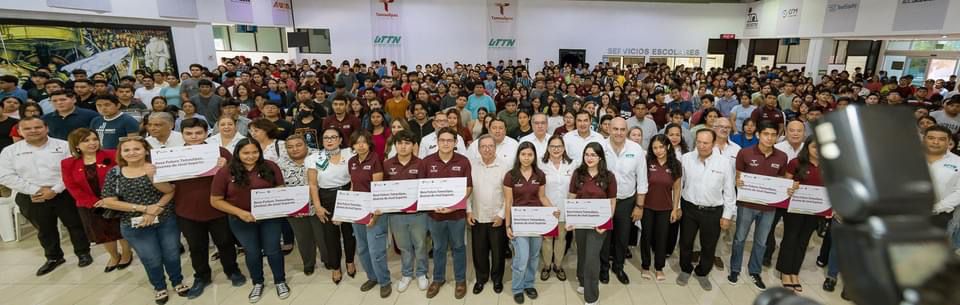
(185, 162)
(810, 200)
(589, 213)
(352, 207)
(534, 221)
(438, 193)
(395, 195)
(761, 189)
(280, 202)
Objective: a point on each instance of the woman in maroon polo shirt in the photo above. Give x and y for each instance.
(797, 228)
(661, 205)
(524, 186)
(592, 180)
(230, 193)
(366, 167)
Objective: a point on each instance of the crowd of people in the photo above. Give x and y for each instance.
(667, 147)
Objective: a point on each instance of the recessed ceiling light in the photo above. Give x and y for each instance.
(944, 36)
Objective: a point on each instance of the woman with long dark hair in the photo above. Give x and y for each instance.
(558, 169)
(524, 186)
(592, 180)
(230, 193)
(797, 228)
(327, 173)
(661, 205)
(379, 132)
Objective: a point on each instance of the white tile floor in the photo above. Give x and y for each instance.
(72, 285)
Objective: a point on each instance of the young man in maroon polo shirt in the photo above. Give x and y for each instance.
(765, 160)
(345, 122)
(409, 229)
(769, 112)
(447, 225)
(199, 221)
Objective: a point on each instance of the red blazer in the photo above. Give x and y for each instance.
(76, 181)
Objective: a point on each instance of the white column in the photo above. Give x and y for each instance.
(818, 57)
(743, 49)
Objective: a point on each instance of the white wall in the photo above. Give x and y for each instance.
(875, 18)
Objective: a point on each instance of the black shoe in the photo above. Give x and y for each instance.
(498, 287)
(122, 266)
(308, 271)
(286, 251)
(368, 285)
(84, 260)
(197, 289)
(821, 262)
(758, 281)
(50, 265)
(622, 277)
(733, 278)
(518, 298)
(109, 269)
(829, 284)
(385, 291)
(843, 295)
(531, 293)
(628, 255)
(605, 277)
(477, 288)
(237, 279)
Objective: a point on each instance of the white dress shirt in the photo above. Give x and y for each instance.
(174, 140)
(575, 143)
(506, 151)
(336, 174)
(486, 199)
(730, 151)
(558, 183)
(629, 166)
(945, 174)
(541, 145)
(709, 183)
(428, 145)
(217, 139)
(786, 148)
(26, 168)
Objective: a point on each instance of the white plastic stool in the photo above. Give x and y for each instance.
(9, 228)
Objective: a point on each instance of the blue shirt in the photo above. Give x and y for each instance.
(741, 139)
(742, 115)
(61, 126)
(17, 92)
(684, 106)
(725, 105)
(110, 131)
(474, 102)
(172, 95)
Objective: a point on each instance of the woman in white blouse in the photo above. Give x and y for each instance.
(228, 136)
(558, 168)
(266, 133)
(327, 173)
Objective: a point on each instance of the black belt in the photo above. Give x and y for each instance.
(704, 208)
(344, 187)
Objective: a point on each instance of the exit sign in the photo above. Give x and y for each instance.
(728, 36)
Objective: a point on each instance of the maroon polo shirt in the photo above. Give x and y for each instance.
(765, 113)
(192, 197)
(347, 126)
(393, 170)
(526, 192)
(812, 175)
(660, 188)
(590, 188)
(458, 166)
(239, 196)
(661, 115)
(361, 172)
(752, 161)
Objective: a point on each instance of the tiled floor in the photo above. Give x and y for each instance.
(72, 285)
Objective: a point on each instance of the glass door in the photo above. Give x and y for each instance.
(917, 66)
(941, 68)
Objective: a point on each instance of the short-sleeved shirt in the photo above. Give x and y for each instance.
(111, 130)
(660, 187)
(193, 197)
(60, 126)
(394, 170)
(361, 172)
(773, 115)
(239, 196)
(752, 161)
(526, 192)
(347, 126)
(434, 167)
(138, 191)
(811, 177)
(589, 187)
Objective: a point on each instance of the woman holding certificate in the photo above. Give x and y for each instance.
(797, 228)
(147, 220)
(524, 186)
(661, 205)
(366, 167)
(327, 173)
(230, 193)
(558, 168)
(592, 180)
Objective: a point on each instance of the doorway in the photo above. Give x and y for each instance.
(572, 56)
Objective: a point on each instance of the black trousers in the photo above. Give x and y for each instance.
(771, 238)
(656, 227)
(334, 235)
(489, 244)
(617, 240)
(198, 235)
(797, 229)
(706, 221)
(673, 234)
(43, 216)
(941, 220)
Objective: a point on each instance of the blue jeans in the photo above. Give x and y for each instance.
(745, 219)
(953, 229)
(410, 234)
(526, 257)
(258, 237)
(833, 266)
(372, 249)
(452, 232)
(158, 247)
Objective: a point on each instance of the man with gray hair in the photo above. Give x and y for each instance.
(160, 129)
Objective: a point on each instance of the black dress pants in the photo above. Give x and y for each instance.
(198, 235)
(43, 216)
(489, 244)
(706, 221)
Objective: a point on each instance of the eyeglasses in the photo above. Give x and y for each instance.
(330, 138)
(555, 146)
(130, 138)
(592, 156)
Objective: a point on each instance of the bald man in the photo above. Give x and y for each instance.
(627, 160)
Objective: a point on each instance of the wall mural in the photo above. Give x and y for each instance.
(113, 49)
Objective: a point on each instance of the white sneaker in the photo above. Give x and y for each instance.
(422, 282)
(404, 283)
(580, 290)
